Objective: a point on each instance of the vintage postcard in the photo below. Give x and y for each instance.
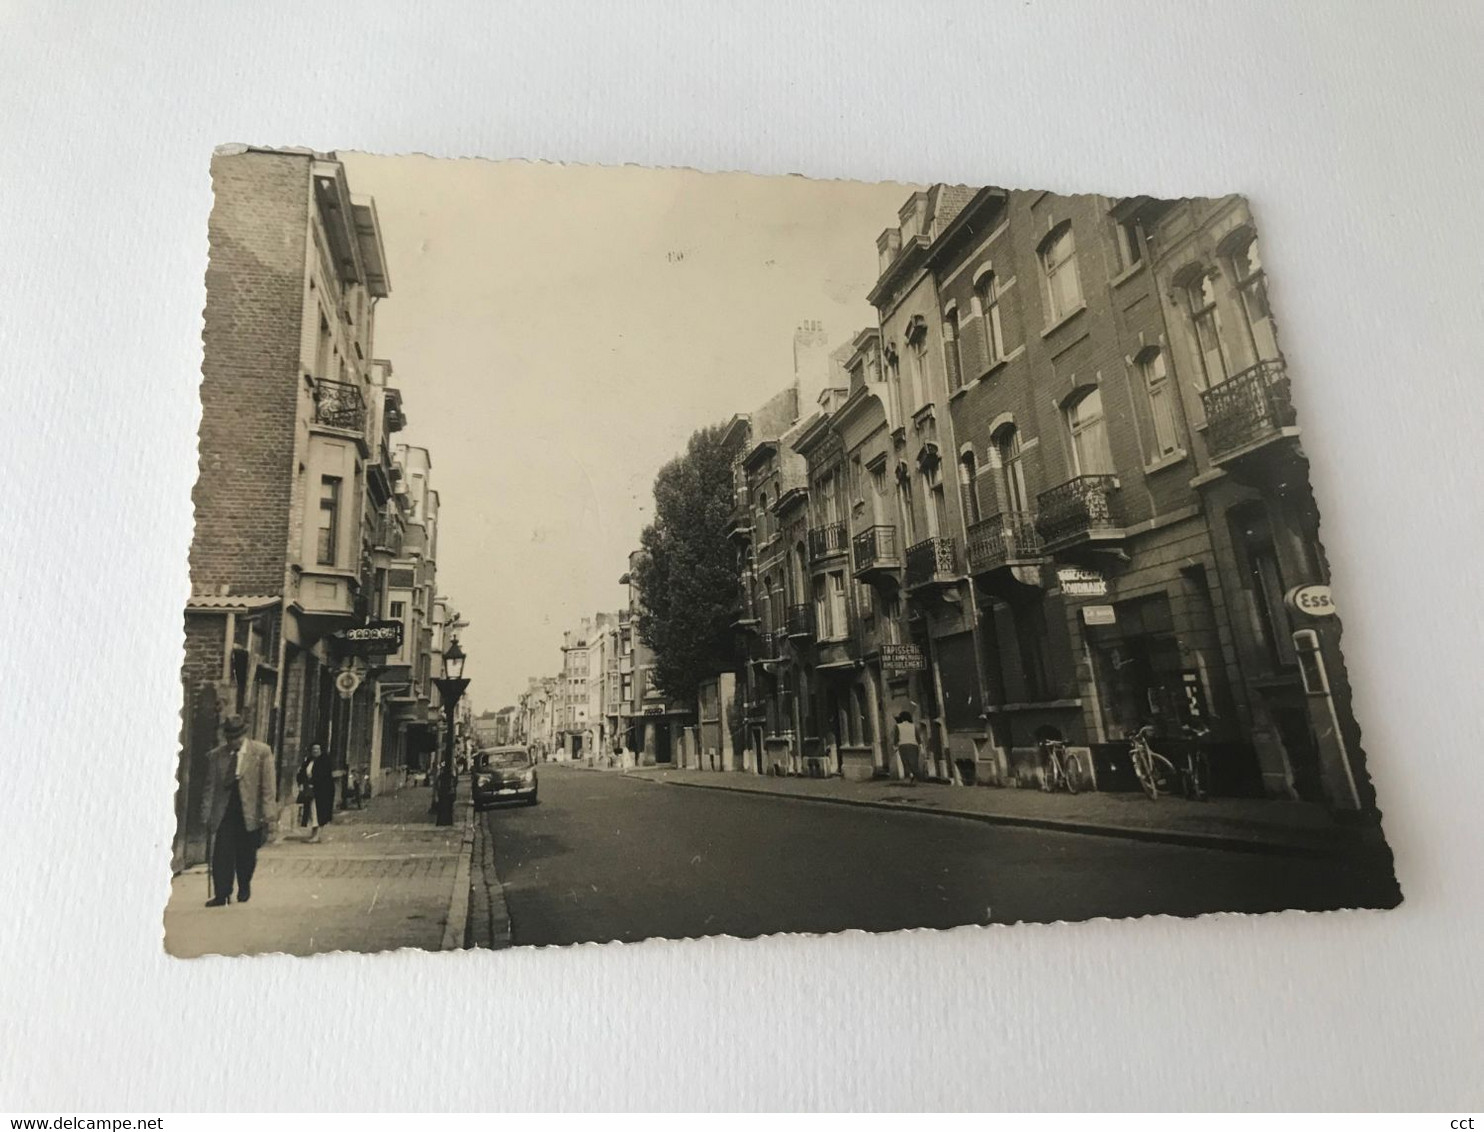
(593, 554)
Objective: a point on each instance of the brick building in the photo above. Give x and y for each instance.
(1067, 471)
(301, 506)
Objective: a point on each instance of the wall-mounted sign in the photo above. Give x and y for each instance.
(347, 682)
(1099, 615)
(902, 658)
(1077, 582)
(1311, 601)
(375, 638)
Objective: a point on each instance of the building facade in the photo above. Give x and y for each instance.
(307, 519)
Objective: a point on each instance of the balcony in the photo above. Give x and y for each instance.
(1248, 411)
(801, 621)
(1010, 539)
(339, 405)
(739, 525)
(744, 612)
(876, 553)
(933, 561)
(827, 541)
(1081, 511)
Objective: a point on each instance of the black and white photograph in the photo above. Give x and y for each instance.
(594, 553)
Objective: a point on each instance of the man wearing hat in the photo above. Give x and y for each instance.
(241, 793)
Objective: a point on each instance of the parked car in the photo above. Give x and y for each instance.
(503, 774)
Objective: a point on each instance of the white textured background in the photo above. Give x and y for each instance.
(1355, 130)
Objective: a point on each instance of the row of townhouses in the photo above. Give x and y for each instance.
(1056, 490)
(605, 704)
(314, 610)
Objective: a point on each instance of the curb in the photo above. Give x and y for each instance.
(457, 920)
(1055, 825)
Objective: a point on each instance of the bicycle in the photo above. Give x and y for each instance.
(1148, 763)
(1197, 772)
(1059, 768)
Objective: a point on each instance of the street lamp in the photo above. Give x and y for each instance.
(450, 688)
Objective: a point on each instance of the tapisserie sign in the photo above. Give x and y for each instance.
(902, 658)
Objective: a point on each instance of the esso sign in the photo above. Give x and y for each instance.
(1311, 601)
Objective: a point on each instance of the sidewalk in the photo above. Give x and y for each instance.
(1241, 824)
(380, 878)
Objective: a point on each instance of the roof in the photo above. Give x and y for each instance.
(231, 602)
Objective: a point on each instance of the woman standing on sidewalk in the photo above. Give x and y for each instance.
(316, 791)
(907, 746)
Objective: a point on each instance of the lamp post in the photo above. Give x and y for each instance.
(450, 688)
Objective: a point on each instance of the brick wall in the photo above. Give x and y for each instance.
(251, 372)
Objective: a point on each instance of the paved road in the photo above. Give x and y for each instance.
(604, 857)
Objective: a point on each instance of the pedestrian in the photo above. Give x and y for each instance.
(241, 791)
(908, 747)
(307, 778)
(322, 785)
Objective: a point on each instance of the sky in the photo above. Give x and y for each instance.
(558, 332)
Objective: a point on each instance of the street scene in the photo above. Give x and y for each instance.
(671, 554)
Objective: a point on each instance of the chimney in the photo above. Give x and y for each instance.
(811, 364)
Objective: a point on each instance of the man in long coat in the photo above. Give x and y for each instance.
(239, 807)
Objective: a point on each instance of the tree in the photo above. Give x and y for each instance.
(687, 573)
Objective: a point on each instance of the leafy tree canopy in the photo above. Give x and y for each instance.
(687, 573)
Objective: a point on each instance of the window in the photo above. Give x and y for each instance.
(1012, 468)
(909, 519)
(863, 601)
(1128, 237)
(322, 348)
(397, 611)
(967, 470)
(1206, 322)
(919, 372)
(839, 616)
(937, 516)
(894, 379)
(1030, 634)
(1059, 265)
(1090, 456)
(822, 610)
(987, 299)
(329, 520)
(1252, 284)
(1161, 400)
(857, 483)
(952, 356)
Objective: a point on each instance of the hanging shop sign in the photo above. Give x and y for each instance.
(1077, 582)
(1311, 601)
(903, 658)
(347, 682)
(375, 638)
(1099, 615)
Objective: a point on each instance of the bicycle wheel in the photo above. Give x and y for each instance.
(1144, 768)
(1072, 772)
(1199, 777)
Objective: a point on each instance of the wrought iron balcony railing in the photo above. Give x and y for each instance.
(1003, 540)
(338, 404)
(1247, 409)
(1084, 507)
(876, 549)
(932, 560)
(827, 541)
(800, 621)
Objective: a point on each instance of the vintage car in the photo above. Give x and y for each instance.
(503, 774)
